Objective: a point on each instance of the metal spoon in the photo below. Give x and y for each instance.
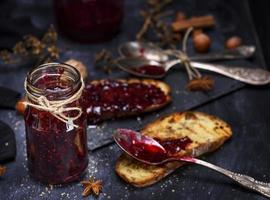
(256, 76)
(149, 151)
(152, 52)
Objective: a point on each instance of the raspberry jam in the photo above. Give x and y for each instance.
(89, 20)
(147, 149)
(112, 98)
(174, 146)
(152, 70)
(140, 146)
(56, 152)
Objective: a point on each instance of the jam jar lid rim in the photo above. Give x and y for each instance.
(29, 82)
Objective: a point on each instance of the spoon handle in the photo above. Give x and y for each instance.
(238, 53)
(256, 76)
(244, 180)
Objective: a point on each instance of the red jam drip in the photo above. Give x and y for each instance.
(175, 145)
(113, 98)
(89, 20)
(55, 155)
(152, 70)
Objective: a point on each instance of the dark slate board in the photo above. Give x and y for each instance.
(245, 111)
(229, 22)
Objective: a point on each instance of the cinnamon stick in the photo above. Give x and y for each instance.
(196, 22)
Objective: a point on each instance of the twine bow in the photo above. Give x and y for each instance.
(56, 108)
(184, 58)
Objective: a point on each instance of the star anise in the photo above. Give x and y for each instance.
(2, 170)
(201, 84)
(91, 186)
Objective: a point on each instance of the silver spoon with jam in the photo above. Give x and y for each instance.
(149, 151)
(146, 68)
(152, 52)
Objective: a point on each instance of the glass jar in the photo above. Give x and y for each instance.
(56, 150)
(89, 20)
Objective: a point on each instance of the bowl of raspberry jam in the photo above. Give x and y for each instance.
(56, 146)
(89, 21)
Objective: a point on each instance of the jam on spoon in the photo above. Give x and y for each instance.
(152, 70)
(149, 151)
(146, 149)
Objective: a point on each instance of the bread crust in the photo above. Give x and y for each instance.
(142, 175)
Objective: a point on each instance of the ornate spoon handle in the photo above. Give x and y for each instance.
(238, 53)
(256, 76)
(244, 180)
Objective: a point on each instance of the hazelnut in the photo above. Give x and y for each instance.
(20, 106)
(179, 16)
(233, 42)
(196, 32)
(201, 42)
(79, 66)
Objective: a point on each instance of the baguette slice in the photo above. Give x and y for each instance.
(206, 132)
(108, 99)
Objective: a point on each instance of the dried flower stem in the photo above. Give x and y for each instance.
(31, 46)
(152, 16)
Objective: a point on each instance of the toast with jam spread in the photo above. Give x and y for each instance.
(182, 133)
(108, 99)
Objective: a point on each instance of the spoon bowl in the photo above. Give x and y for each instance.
(133, 65)
(140, 147)
(141, 49)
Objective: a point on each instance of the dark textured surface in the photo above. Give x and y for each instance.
(260, 12)
(7, 143)
(246, 110)
(8, 98)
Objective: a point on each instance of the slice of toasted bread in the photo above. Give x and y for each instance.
(118, 101)
(206, 132)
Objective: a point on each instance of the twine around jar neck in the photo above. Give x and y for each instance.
(56, 108)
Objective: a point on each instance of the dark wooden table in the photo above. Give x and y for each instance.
(246, 110)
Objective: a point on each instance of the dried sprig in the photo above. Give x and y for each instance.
(105, 58)
(3, 170)
(152, 15)
(91, 186)
(20, 49)
(5, 56)
(50, 38)
(31, 46)
(103, 55)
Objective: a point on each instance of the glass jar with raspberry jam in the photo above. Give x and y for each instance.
(56, 148)
(89, 21)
